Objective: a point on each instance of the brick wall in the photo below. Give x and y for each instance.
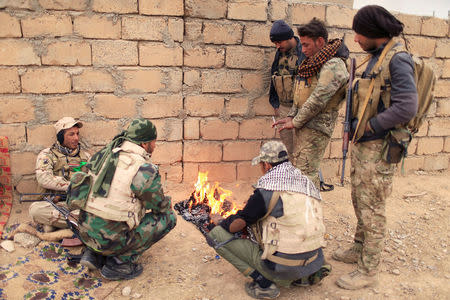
(197, 68)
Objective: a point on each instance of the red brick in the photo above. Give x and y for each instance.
(58, 107)
(202, 152)
(155, 54)
(247, 10)
(161, 7)
(436, 162)
(15, 133)
(48, 25)
(160, 106)
(98, 27)
(41, 135)
(204, 105)
(10, 26)
(431, 145)
(257, 35)
(237, 106)
(70, 53)
(190, 172)
(167, 153)
(115, 6)
(216, 129)
(142, 80)
(9, 81)
(113, 107)
(220, 33)
(208, 9)
(143, 28)
(221, 81)
(169, 129)
(64, 4)
(99, 132)
(262, 107)
(219, 172)
(245, 57)
(191, 129)
(46, 81)
(93, 80)
(207, 57)
(116, 52)
(23, 163)
(16, 110)
(247, 172)
(253, 82)
(256, 129)
(17, 52)
(240, 150)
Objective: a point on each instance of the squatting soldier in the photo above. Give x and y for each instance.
(390, 106)
(318, 91)
(284, 68)
(125, 211)
(286, 213)
(54, 166)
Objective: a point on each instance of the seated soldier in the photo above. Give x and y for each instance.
(286, 213)
(54, 166)
(126, 211)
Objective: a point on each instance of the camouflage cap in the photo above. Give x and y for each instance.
(66, 123)
(141, 131)
(271, 152)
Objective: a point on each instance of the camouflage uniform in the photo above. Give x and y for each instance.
(313, 122)
(53, 171)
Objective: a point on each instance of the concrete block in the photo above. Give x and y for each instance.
(176, 29)
(221, 81)
(75, 105)
(216, 129)
(207, 9)
(23, 163)
(278, 10)
(244, 58)
(422, 46)
(302, 13)
(191, 129)
(46, 81)
(78, 5)
(169, 129)
(94, 80)
(201, 151)
(413, 24)
(167, 152)
(220, 33)
(436, 162)
(15, 133)
(114, 107)
(41, 135)
(439, 127)
(115, 6)
(161, 7)
(443, 48)
(257, 35)
(97, 27)
(142, 80)
(247, 172)
(10, 26)
(204, 105)
(143, 28)
(240, 150)
(262, 107)
(430, 145)
(162, 106)
(443, 108)
(16, 110)
(258, 128)
(17, 52)
(99, 132)
(434, 27)
(208, 57)
(9, 81)
(118, 52)
(152, 54)
(47, 25)
(253, 83)
(219, 172)
(247, 10)
(67, 53)
(341, 17)
(237, 106)
(442, 88)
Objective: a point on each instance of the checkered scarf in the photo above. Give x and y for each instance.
(287, 178)
(312, 65)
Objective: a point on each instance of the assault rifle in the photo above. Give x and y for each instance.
(348, 117)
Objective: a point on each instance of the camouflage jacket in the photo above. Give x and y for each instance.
(313, 114)
(53, 168)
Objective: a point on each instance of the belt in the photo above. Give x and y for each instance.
(292, 262)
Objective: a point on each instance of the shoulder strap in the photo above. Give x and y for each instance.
(372, 83)
(272, 203)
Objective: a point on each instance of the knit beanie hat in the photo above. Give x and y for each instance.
(374, 21)
(281, 31)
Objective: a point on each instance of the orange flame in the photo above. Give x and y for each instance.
(214, 196)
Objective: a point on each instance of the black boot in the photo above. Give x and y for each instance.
(114, 269)
(92, 260)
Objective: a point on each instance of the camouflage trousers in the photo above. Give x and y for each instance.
(44, 213)
(371, 184)
(287, 136)
(112, 238)
(309, 148)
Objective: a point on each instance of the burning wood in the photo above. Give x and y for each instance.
(206, 200)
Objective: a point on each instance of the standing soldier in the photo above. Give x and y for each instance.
(125, 210)
(54, 167)
(318, 91)
(284, 68)
(391, 105)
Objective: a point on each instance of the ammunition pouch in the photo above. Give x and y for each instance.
(284, 87)
(395, 145)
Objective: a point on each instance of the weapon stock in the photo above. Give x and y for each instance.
(348, 117)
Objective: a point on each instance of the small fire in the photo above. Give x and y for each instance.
(215, 197)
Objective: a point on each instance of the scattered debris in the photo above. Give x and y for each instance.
(8, 245)
(126, 291)
(411, 195)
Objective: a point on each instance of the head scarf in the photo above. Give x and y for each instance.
(105, 161)
(373, 21)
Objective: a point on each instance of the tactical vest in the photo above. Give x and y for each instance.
(64, 165)
(283, 82)
(381, 89)
(299, 230)
(121, 205)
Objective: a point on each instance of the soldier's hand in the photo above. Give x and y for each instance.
(282, 124)
(56, 199)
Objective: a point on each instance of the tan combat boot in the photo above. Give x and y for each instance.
(348, 256)
(356, 280)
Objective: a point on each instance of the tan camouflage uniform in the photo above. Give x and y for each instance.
(53, 171)
(314, 124)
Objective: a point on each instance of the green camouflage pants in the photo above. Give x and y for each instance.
(371, 184)
(309, 148)
(244, 255)
(112, 238)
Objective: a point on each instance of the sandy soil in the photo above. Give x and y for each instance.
(415, 263)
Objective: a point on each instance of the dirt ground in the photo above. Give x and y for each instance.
(415, 262)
